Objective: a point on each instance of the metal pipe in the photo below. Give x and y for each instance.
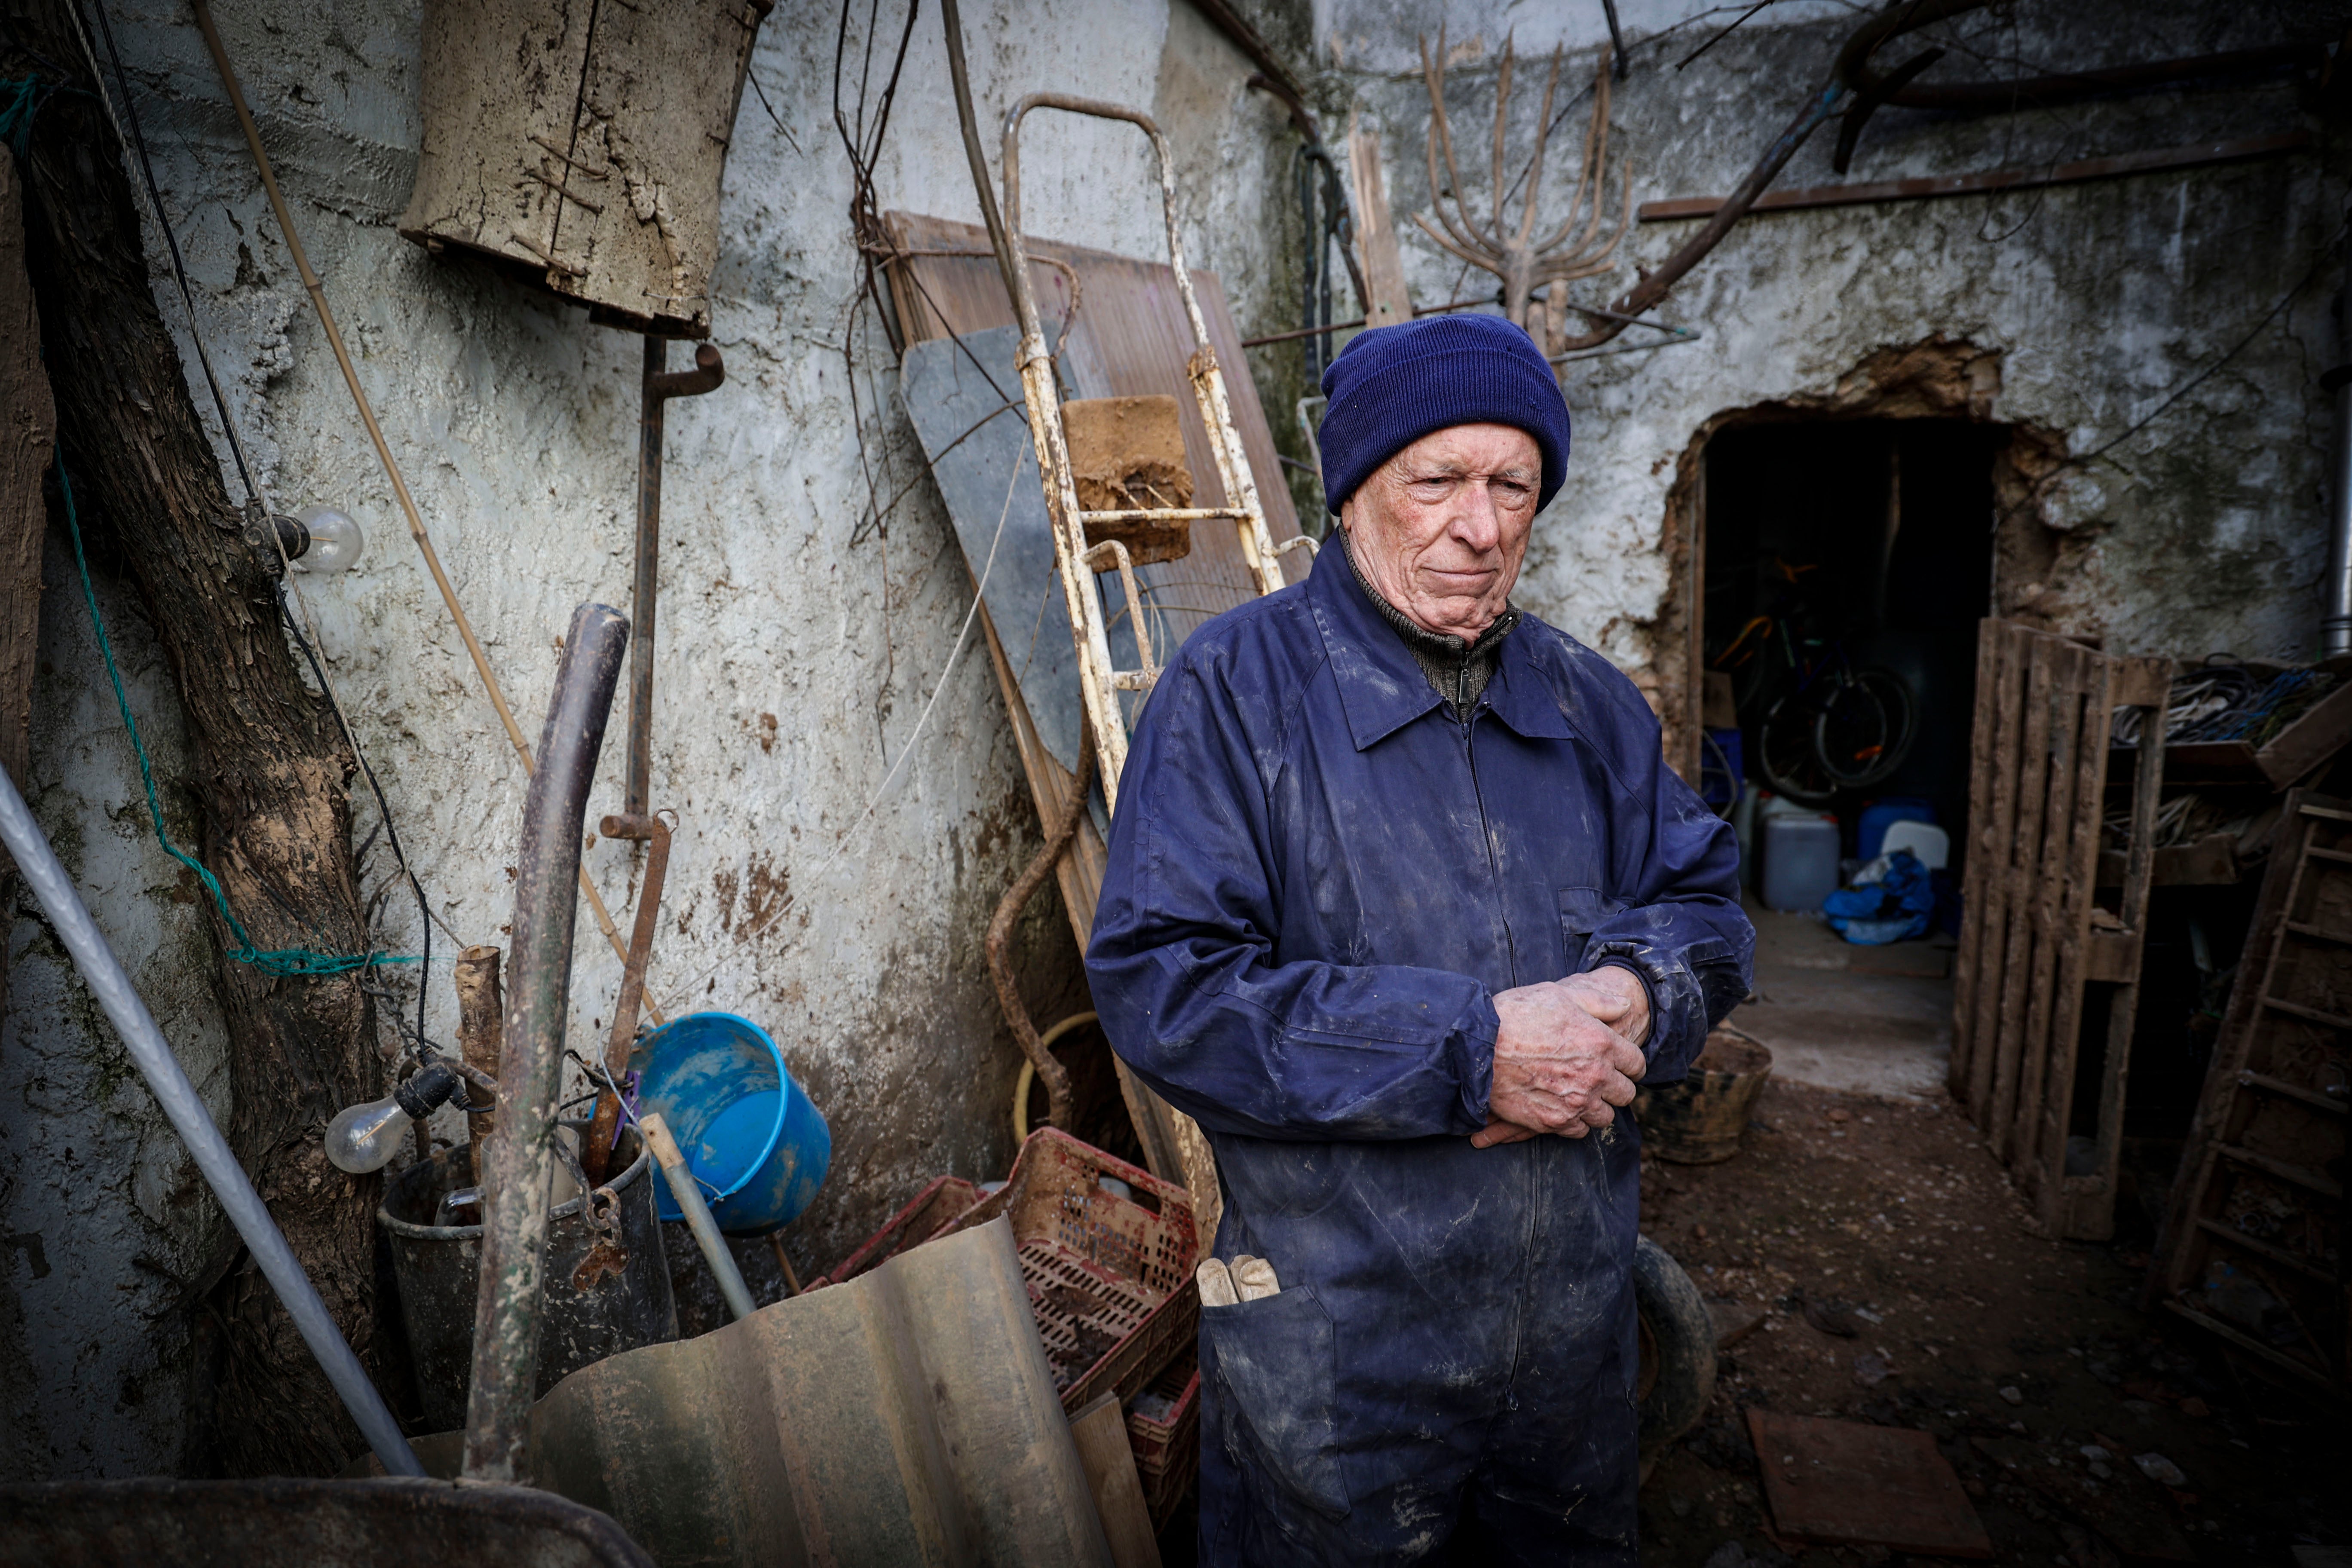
(519, 1153)
(658, 386)
(683, 1187)
(103, 973)
(2335, 627)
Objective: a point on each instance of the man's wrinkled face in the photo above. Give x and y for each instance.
(1442, 528)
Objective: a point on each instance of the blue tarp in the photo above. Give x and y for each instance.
(1896, 907)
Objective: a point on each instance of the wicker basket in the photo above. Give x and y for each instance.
(1110, 1280)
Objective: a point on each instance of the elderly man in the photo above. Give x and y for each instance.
(1402, 902)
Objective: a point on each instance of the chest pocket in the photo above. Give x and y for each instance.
(1582, 912)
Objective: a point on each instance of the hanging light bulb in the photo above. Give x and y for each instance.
(319, 539)
(366, 1136)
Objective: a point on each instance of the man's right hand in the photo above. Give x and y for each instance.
(1557, 1068)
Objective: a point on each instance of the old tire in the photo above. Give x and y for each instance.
(1676, 1376)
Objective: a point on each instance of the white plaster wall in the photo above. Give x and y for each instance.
(2204, 533)
(799, 652)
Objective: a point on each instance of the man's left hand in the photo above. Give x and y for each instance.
(1615, 995)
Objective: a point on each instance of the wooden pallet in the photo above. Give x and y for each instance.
(2034, 938)
(2254, 1244)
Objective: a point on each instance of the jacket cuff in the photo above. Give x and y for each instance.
(1472, 1049)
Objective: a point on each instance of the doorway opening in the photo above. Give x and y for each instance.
(1844, 568)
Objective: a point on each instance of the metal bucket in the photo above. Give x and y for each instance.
(438, 1268)
(749, 1132)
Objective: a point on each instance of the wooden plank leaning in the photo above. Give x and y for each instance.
(2077, 702)
(1965, 963)
(1989, 888)
(2081, 1205)
(2020, 881)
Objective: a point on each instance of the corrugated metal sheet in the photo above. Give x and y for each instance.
(905, 1418)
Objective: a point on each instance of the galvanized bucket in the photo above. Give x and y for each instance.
(588, 1313)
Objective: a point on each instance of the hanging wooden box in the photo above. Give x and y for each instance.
(582, 144)
(2033, 936)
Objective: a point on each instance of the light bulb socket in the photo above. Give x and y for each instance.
(293, 535)
(427, 1089)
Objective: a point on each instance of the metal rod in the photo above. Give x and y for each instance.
(658, 386)
(151, 1054)
(2335, 628)
(521, 1155)
(688, 1192)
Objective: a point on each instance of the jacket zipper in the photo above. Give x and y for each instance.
(1531, 1168)
(1486, 838)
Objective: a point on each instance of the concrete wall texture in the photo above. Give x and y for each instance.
(800, 738)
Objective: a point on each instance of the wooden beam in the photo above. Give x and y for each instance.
(2197, 155)
(1376, 231)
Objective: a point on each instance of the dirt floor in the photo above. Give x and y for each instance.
(2020, 1354)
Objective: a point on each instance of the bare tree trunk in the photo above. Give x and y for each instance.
(27, 425)
(270, 775)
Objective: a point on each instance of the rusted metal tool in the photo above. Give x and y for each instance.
(598, 1154)
(660, 386)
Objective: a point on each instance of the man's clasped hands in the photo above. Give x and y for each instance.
(1567, 1057)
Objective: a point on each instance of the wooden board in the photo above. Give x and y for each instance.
(2034, 936)
(1842, 1483)
(2253, 1245)
(583, 145)
(1100, 1432)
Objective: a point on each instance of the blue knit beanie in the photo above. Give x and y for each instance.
(1393, 385)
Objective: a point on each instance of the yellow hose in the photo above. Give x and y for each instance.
(1029, 1075)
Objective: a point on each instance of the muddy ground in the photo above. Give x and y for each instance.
(2016, 1351)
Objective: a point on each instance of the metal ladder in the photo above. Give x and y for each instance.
(1099, 681)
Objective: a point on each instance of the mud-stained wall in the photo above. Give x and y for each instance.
(850, 801)
(2091, 304)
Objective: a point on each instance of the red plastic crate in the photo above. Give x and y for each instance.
(1165, 1419)
(1110, 1278)
(933, 1208)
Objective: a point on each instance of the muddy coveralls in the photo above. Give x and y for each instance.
(1319, 877)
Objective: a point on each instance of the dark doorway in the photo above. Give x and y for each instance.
(1861, 544)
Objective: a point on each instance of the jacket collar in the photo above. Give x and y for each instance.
(1382, 687)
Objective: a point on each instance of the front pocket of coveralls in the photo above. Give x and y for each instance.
(1276, 1360)
(1582, 912)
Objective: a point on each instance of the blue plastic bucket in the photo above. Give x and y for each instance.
(748, 1130)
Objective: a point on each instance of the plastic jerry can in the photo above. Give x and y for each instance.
(1800, 862)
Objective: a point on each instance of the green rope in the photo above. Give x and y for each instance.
(18, 102)
(287, 962)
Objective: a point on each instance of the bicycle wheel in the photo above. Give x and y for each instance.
(1864, 728)
(1787, 754)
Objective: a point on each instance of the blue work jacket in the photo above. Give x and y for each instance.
(1319, 877)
